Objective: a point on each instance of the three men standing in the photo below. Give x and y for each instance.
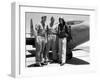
(46, 36)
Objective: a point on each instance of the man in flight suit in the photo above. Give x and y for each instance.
(62, 35)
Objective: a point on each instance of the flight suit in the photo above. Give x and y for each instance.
(62, 36)
(41, 40)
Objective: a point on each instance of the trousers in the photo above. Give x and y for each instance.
(51, 44)
(62, 50)
(40, 46)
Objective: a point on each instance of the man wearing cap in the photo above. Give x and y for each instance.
(41, 40)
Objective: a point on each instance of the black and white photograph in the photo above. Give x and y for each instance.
(52, 40)
(56, 39)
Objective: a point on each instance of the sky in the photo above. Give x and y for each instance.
(36, 18)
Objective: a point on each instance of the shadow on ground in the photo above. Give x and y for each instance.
(73, 61)
(77, 61)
